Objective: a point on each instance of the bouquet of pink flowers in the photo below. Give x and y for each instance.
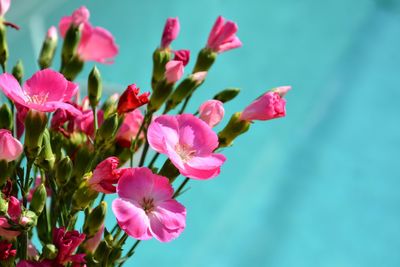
(60, 155)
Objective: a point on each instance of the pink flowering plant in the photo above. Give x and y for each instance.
(60, 155)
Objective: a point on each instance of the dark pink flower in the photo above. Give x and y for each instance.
(6, 250)
(270, 105)
(67, 242)
(170, 33)
(129, 128)
(96, 44)
(189, 143)
(131, 100)
(14, 212)
(212, 112)
(145, 207)
(182, 55)
(223, 36)
(105, 175)
(46, 91)
(10, 148)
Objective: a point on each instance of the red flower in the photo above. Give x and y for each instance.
(6, 250)
(67, 242)
(131, 100)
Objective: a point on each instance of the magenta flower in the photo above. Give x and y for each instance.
(171, 31)
(67, 242)
(46, 91)
(212, 112)
(129, 128)
(223, 36)
(173, 70)
(14, 211)
(10, 148)
(145, 207)
(97, 44)
(4, 6)
(182, 55)
(6, 250)
(270, 105)
(105, 175)
(189, 143)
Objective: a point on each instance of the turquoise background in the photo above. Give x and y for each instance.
(317, 188)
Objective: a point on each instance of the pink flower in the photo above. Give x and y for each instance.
(171, 31)
(105, 175)
(46, 91)
(269, 106)
(52, 33)
(14, 212)
(189, 143)
(67, 242)
(173, 71)
(85, 122)
(145, 207)
(96, 44)
(131, 100)
(4, 6)
(223, 36)
(212, 112)
(6, 250)
(92, 243)
(45, 263)
(10, 148)
(129, 128)
(182, 55)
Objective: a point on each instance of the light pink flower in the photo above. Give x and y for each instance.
(189, 143)
(105, 175)
(4, 6)
(223, 36)
(96, 44)
(10, 148)
(269, 106)
(129, 128)
(46, 91)
(52, 33)
(212, 112)
(92, 243)
(173, 70)
(171, 31)
(145, 208)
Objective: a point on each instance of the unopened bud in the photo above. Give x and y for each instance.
(50, 251)
(46, 158)
(6, 117)
(227, 94)
(3, 205)
(28, 219)
(18, 71)
(70, 45)
(95, 219)
(83, 196)
(102, 251)
(109, 127)
(35, 124)
(95, 87)
(38, 199)
(63, 171)
(160, 94)
(110, 105)
(3, 46)
(72, 68)
(205, 59)
(160, 59)
(233, 129)
(48, 48)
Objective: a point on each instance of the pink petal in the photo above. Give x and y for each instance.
(47, 82)
(4, 6)
(203, 168)
(162, 130)
(160, 232)
(219, 23)
(172, 214)
(234, 43)
(174, 70)
(11, 88)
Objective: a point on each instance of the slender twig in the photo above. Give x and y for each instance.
(187, 99)
(131, 251)
(180, 188)
(153, 160)
(96, 123)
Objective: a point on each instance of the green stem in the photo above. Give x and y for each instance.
(96, 123)
(131, 251)
(180, 188)
(187, 99)
(153, 160)
(147, 119)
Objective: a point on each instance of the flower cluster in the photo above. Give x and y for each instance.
(60, 155)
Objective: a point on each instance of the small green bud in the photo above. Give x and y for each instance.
(64, 170)
(28, 219)
(227, 94)
(95, 87)
(205, 60)
(160, 59)
(110, 105)
(48, 48)
(6, 117)
(72, 68)
(109, 127)
(18, 71)
(46, 158)
(35, 124)
(233, 129)
(3, 205)
(160, 94)
(70, 45)
(50, 251)
(95, 219)
(82, 197)
(102, 251)
(38, 199)
(3, 46)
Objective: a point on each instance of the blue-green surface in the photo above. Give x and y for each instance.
(318, 188)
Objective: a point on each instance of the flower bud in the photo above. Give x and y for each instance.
(48, 48)
(109, 127)
(46, 158)
(38, 199)
(94, 87)
(3, 205)
(95, 220)
(205, 59)
(63, 170)
(233, 129)
(3, 46)
(110, 105)
(35, 123)
(211, 112)
(103, 251)
(50, 251)
(28, 219)
(70, 45)
(82, 197)
(171, 32)
(71, 69)
(227, 94)
(159, 95)
(18, 71)
(6, 117)
(173, 71)
(160, 58)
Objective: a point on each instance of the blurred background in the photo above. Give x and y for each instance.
(317, 188)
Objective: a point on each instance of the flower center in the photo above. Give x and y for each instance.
(37, 99)
(147, 205)
(185, 152)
